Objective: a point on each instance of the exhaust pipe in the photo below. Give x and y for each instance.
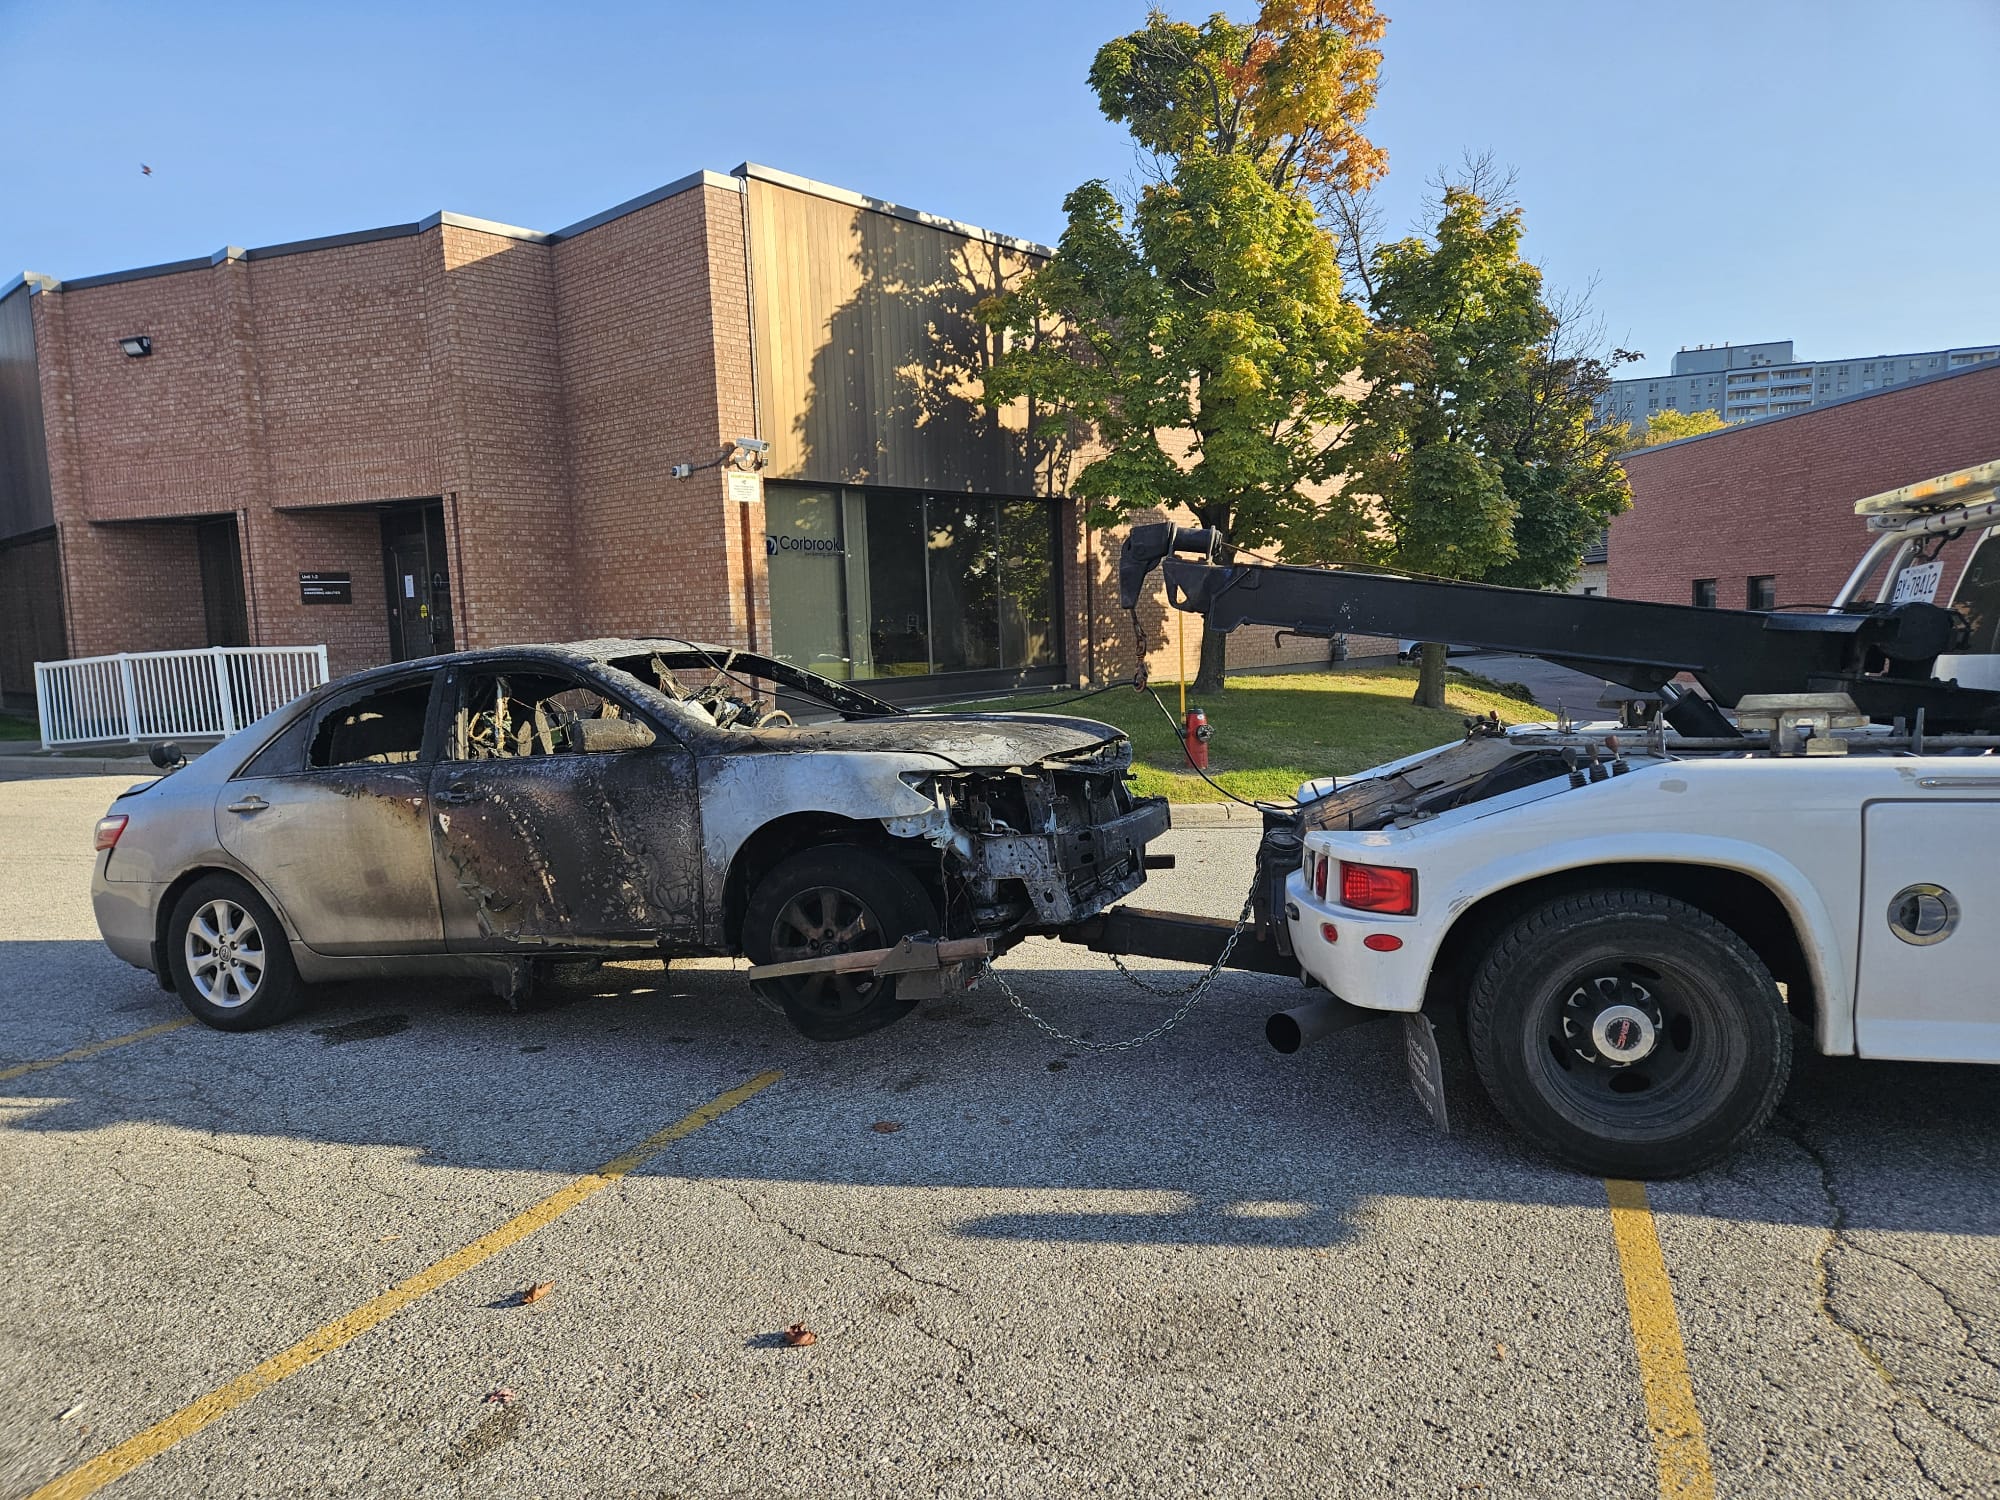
(1289, 1030)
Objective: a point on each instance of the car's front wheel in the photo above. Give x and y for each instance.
(1628, 1033)
(232, 963)
(823, 902)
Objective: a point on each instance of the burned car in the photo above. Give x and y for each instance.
(502, 813)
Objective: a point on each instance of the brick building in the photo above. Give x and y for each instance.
(461, 433)
(1762, 514)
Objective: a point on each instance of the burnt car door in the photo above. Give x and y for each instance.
(331, 817)
(561, 815)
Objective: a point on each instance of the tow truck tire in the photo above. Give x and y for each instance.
(1628, 1034)
(836, 899)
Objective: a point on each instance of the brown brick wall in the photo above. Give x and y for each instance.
(1778, 497)
(132, 587)
(638, 347)
(497, 362)
(279, 545)
(342, 373)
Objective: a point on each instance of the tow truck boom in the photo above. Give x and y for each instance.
(1880, 654)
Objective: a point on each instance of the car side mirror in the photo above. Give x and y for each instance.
(592, 736)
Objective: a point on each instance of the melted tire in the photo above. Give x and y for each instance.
(896, 906)
(1722, 1046)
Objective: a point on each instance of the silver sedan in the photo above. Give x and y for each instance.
(498, 813)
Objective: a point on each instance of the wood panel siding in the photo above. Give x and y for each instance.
(870, 353)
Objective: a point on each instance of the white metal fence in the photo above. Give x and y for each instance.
(163, 695)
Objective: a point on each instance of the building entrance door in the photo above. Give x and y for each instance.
(221, 558)
(418, 579)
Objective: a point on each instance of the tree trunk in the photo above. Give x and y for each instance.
(1430, 675)
(1208, 676)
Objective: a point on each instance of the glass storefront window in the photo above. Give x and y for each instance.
(878, 583)
(802, 548)
(964, 566)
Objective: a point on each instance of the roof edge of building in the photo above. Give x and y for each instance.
(702, 178)
(1988, 367)
(734, 182)
(752, 171)
(34, 281)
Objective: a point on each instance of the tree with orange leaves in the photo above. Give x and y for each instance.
(1288, 91)
(1201, 334)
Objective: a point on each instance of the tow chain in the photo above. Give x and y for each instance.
(1195, 993)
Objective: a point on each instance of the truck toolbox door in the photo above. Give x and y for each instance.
(1928, 986)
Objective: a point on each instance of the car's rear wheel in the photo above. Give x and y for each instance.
(1628, 1033)
(838, 899)
(231, 961)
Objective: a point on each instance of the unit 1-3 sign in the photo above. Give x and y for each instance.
(326, 588)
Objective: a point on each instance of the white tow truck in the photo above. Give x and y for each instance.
(1632, 923)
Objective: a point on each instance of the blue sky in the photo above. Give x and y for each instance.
(1822, 171)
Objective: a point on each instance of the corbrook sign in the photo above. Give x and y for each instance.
(821, 546)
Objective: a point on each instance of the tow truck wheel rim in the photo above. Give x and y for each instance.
(1665, 1036)
(816, 923)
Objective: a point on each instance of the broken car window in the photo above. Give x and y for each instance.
(509, 715)
(386, 728)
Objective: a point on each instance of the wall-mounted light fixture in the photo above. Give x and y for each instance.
(138, 346)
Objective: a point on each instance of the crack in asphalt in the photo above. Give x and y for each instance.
(968, 1362)
(878, 1256)
(1793, 1129)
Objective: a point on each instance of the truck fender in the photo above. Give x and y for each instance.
(1819, 938)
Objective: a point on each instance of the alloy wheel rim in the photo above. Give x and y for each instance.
(225, 954)
(817, 923)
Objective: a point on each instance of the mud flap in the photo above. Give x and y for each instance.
(1420, 1050)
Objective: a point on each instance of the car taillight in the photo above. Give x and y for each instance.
(1319, 876)
(108, 829)
(1383, 888)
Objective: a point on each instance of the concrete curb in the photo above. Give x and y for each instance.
(1214, 815)
(43, 763)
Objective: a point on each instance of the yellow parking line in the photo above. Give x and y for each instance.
(1680, 1445)
(91, 1049)
(192, 1418)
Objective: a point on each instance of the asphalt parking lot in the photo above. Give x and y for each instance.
(289, 1262)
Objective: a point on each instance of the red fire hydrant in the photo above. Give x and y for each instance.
(1198, 735)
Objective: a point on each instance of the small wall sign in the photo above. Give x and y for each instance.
(326, 588)
(746, 487)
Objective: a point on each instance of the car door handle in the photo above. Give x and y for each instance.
(252, 803)
(454, 796)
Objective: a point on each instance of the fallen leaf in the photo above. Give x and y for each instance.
(1499, 1351)
(798, 1336)
(536, 1292)
(886, 1127)
(501, 1394)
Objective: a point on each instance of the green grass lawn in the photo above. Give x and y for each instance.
(1271, 733)
(19, 727)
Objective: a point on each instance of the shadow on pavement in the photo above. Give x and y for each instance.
(1217, 1140)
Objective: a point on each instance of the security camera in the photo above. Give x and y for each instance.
(753, 445)
(748, 453)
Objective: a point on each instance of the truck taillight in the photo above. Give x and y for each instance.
(1380, 888)
(108, 829)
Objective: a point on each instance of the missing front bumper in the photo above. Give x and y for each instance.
(1073, 872)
